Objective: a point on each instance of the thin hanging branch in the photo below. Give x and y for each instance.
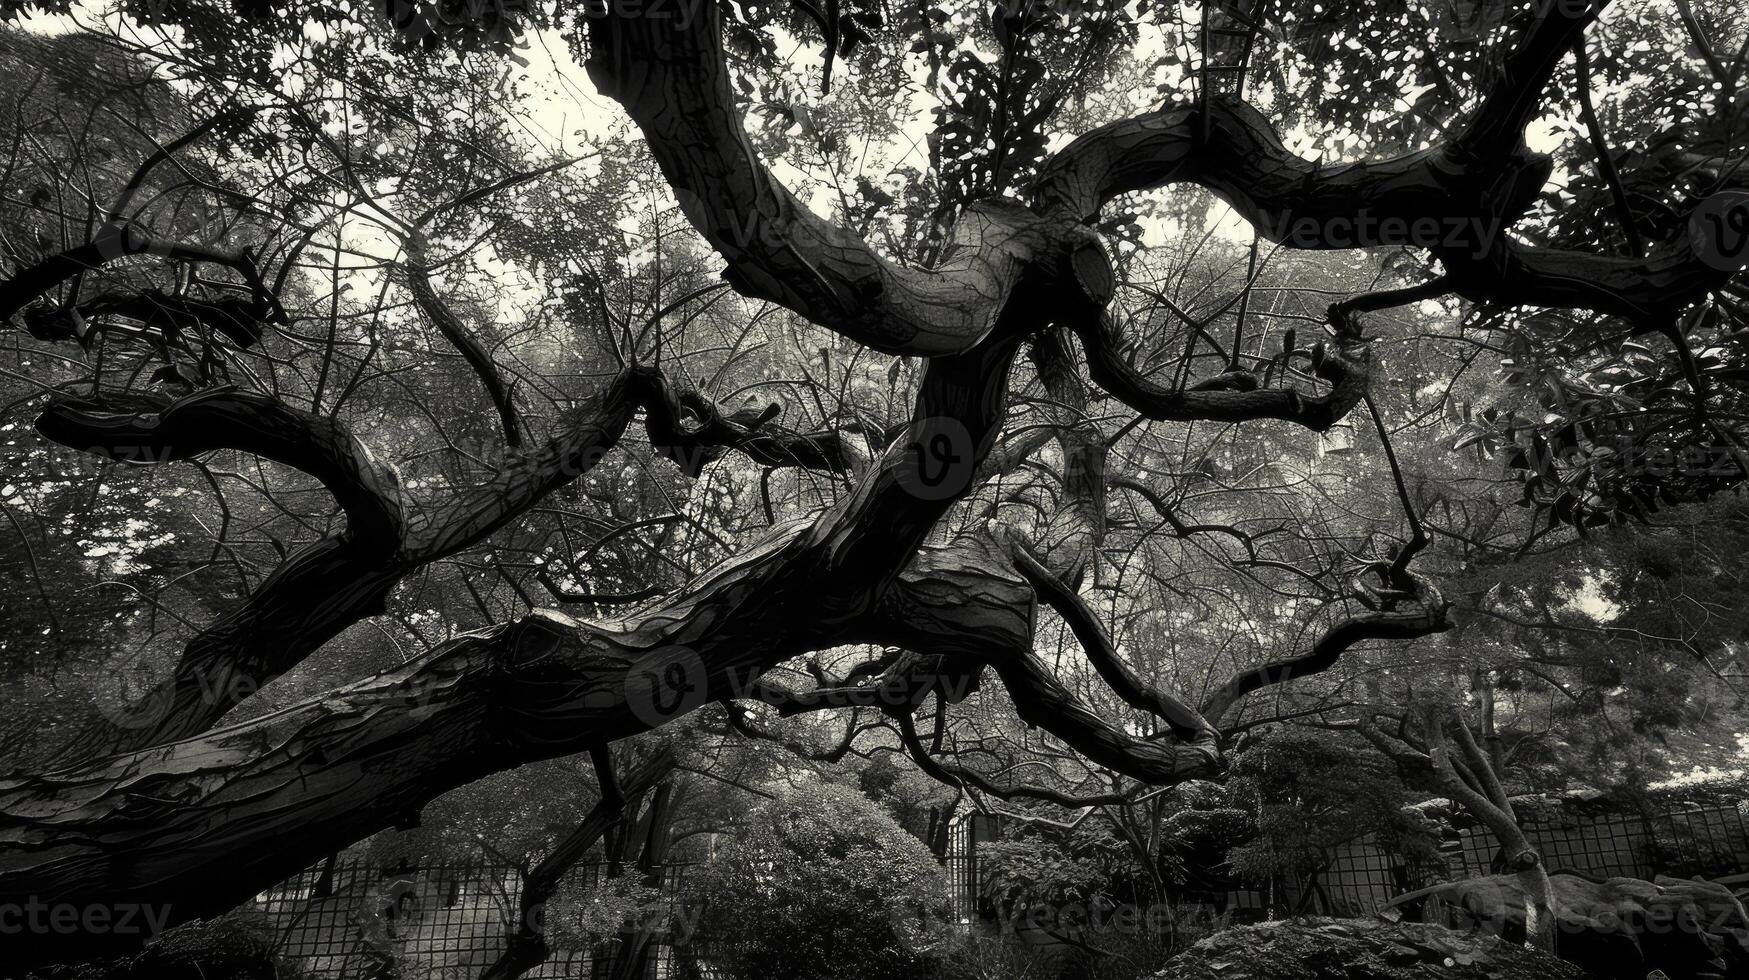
(1398, 574)
(1605, 161)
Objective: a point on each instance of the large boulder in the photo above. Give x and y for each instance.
(1353, 949)
(1622, 928)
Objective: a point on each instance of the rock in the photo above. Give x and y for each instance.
(232, 947)
(1356, 949)
(1624, 928)
(237, 946)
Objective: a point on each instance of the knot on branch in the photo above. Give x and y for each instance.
(1396, 588)
(1090, 267)
(523, 653)
(48, 322)
(1229, 381)
(1347, 367)
(1524, 860)
(689, 428)
(1344, 320)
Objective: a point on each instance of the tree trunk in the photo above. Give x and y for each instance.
(1539, 907)
(526, 945)
(631, 949)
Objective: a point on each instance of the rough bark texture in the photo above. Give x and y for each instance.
(327, 585)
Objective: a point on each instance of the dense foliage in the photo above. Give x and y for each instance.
(818, 883)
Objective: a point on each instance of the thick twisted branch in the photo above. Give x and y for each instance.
(1457, 200)
(111, 241)
(327, 585)
(183, 824)
(671, 77)
(148, 428)
(1229, 398)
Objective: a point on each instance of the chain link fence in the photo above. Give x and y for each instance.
(346, 917)
(1711, 841)
(341, 918)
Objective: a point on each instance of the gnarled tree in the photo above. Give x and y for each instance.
(194, 812)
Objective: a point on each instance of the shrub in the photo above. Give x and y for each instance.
(820, 883)
(235, 946)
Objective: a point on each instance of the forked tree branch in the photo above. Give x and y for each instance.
(526, 945)
(326, 586)
(453, 330)
(1424, 616)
